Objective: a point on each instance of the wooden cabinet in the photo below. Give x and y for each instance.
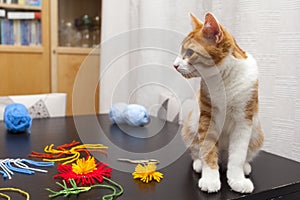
(69, 63)
(77, 74)
(26, 69)
(52, 66)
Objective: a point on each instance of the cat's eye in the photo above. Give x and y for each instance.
(189, 52)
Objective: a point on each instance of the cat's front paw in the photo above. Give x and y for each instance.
(197, 165)
(209, 185)
(244, 185)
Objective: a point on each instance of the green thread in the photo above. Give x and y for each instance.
(114, 194)
(75, 190)
(107, 196)
(68, 191)
(116, 184)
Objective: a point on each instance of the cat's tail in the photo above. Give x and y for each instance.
(189, 133)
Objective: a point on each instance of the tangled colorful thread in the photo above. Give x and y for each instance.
(65, 155)
(81, 175)
(84, 173)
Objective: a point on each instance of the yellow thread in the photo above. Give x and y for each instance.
(16, 190)
(73, 152)
(51, 150)
(61, 159)
(77, 155)
(89, 146)
(5, 196)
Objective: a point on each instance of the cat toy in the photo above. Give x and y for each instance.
(9, 166)
(17, 118)
(132, 114)
(145, 170)
(14, 190)
(84, 173)
(67, 153)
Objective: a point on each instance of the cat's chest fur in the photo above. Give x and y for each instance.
(238, 81)
(234, 90)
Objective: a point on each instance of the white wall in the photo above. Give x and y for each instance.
(157, 29)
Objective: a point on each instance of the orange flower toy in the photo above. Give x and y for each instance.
(84, 171)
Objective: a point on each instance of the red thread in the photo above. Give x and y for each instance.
(64, 146)
(66, 173)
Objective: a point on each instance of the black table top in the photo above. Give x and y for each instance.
(271, 175)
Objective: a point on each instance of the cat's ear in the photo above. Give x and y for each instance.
(211, 29)
(196, 23)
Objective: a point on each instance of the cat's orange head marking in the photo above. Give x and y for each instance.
(214, 39)
(206, 46)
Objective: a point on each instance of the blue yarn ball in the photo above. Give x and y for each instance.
(116, 113)
(136, 115)
(132, 114)
(17, 118)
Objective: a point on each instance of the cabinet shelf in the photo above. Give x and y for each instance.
(21, 49)
(20, 7)
(76, 50)
(25, 69)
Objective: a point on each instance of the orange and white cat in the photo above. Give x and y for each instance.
(236, 141)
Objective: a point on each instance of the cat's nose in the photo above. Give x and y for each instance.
(176, 66)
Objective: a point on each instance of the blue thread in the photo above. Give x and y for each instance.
(38, 164)
(19, 170)
(5, 169)
(3, 174)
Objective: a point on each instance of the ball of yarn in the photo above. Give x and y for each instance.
(17, 118)
(132, 114)
(136, 115)
(116, 113)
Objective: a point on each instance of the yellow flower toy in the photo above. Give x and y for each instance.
(146, 173)
(83, 166)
